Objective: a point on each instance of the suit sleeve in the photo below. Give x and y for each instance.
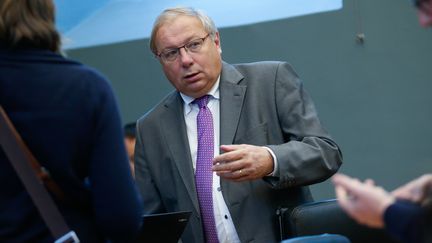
(309, 155)
(151, 196)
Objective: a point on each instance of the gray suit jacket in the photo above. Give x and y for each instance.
(261, 104)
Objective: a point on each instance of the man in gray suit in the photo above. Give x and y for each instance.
(268, 142)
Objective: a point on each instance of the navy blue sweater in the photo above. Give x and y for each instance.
(68, 116)
(407, 222)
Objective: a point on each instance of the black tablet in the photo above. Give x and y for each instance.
(163, 227)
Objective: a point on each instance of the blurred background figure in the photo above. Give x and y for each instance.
(405, 213)
(68, 116)
(130, 139)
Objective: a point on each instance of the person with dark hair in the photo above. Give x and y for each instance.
(32, 28)
(232, 143)
(130, 129)
(130, 140)
(67, 115)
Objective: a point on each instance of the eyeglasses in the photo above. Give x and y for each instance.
(171, 54)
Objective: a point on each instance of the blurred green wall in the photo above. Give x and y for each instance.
(374, 98)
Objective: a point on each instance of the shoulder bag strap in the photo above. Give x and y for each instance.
(33, 176)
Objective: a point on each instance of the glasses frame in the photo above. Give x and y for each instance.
(186, 46)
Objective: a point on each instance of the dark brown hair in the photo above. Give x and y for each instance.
(28, 23)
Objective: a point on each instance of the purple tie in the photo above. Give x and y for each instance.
(203, 173)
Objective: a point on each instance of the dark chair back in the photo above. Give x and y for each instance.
(327, 217)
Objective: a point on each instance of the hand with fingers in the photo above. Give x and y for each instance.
(363, 201)
(416, 190)
(243, 162)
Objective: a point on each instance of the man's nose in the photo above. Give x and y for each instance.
(185, 56)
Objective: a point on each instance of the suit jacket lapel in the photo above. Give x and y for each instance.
(178, 144)
(231, 102)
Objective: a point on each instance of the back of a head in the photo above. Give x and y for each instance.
(130, 130)
(28, 24)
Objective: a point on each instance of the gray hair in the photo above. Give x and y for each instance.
(172, 13)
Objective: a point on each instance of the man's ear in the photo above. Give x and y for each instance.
(218, 42)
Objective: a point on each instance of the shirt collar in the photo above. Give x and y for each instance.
(214, 93)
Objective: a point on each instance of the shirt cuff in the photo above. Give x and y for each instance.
(275, 164)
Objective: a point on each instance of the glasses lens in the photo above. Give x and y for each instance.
(170, 54)
(194, 45)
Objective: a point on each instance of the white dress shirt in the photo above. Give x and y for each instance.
(224, 224)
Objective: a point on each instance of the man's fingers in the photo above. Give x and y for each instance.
(237, 175)
(227, 158)
(228, 148)
(350, 184)
(231, 153)
(228, 167)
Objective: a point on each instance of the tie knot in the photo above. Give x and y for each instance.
(201, 101)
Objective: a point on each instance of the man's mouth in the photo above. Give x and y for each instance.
(191, 75)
